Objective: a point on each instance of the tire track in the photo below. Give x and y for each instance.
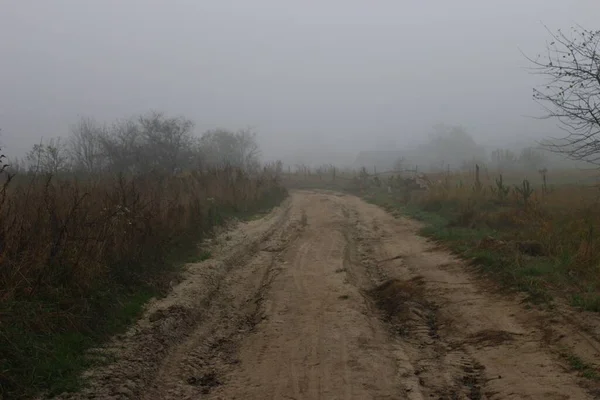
(318, 325)
(150, 354)
(332, 298)
(462, 338)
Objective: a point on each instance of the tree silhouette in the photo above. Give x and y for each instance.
(571, 92)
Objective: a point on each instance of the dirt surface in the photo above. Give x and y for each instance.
(329, 297)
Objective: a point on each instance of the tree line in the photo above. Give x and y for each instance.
(152, 142)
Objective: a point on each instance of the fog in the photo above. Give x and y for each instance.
(319, 81)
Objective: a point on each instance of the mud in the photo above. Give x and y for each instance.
(329, 297)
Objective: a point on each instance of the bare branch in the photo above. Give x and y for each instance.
(571, 93)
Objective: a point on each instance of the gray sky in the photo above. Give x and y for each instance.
(309, 75)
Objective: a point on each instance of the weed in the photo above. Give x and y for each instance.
(203, 256)
(577, 364)
(524, 191)
(501, 190)
(478, 186)
(586, 301)
(543, 172)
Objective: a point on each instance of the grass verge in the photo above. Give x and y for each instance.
(75, 272)
(501, 252)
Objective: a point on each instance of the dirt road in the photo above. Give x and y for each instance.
(329, 297)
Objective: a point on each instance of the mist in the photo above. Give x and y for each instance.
(318, 81)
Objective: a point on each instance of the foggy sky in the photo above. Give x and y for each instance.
(308, 75)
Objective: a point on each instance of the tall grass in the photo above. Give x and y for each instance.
(79, 255)
(539, 239)
(563, 219)
(537, 232)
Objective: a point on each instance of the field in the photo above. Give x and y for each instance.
(537, 232)
(81, 255)
(328, 296)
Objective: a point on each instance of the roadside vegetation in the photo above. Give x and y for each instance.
(538, 240)
(95, 224)
(537, 237)
(530, 217)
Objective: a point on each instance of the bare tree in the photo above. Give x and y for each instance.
(454, 145)
(399, 164)
(531, 159)
(85, 145)
(151, 142)
(168, 142)
(248, 148)
(239, 149)
(121, 146)
(504, 159)
(51, 157)
(571, 93)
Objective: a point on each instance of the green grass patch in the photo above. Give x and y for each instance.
(204, 255)
(54, 361)
(589, 301)
(576, 363)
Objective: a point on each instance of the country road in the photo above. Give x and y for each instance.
(329, 297)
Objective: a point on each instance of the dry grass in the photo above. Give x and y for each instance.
(563, 218)
(543, 239)
(79, 257)
(543, 242)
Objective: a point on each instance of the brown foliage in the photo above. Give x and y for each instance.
(69, 246)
